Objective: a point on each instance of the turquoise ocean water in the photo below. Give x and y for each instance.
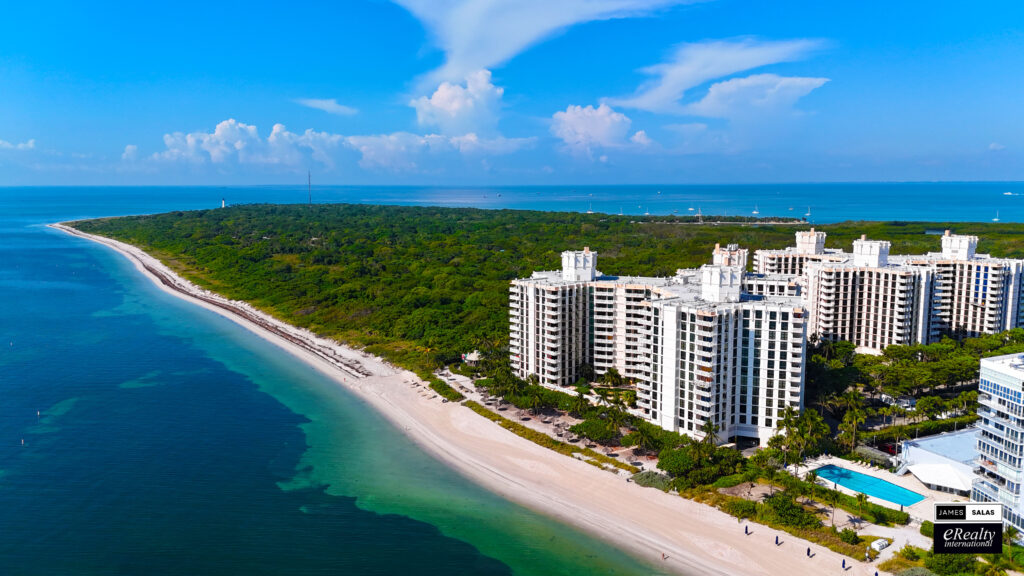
(142, 435)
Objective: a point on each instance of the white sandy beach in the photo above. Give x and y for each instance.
(696, 539)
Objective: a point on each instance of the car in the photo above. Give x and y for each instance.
(889, 448)
(880, 544)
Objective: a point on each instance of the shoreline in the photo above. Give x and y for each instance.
(649, 524)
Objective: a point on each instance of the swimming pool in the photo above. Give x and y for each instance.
(869, 485)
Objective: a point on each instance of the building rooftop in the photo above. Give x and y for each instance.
(959, 446)
(1014, 362)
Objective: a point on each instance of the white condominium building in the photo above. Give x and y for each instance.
(875, 299)
(810, 247)
(867, 300)
(550, 321)
(718, 353)
(698, 345)
(1001, 436)
(973, 294)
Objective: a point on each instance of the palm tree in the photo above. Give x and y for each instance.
(862, 499)
(579, 405)
(706, 446)
(770, 473)
(643, 438)
(812, 479)
(1010, 534)
(534, 401)
(833, 500)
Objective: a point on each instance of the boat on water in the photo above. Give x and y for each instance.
(996, 219)
(756, 212)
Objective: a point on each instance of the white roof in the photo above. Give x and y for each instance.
(941, 475)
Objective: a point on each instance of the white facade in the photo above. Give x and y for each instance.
(1001, 440)
(810, 247)
(738, 363)
(875, 299)
(698, 345)
(731, 255)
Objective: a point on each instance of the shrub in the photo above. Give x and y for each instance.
(928, 529)
(787, 512)
(849, 536)
(910, 553)
(741, 508)
(949, 564)
(598, 430)
(444, 389)
(652, 479)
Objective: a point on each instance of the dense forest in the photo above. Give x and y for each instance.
(422, 285)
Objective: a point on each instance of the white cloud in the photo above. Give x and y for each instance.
(641, 138)
(397, 151)
(482, 34)
(329, 105)
(694, 64)
(585, 128)
(996, 147)
(27, 145)
(753, 95)
(236, 142)
(459, 109)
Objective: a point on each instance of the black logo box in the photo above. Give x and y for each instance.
(968, 538)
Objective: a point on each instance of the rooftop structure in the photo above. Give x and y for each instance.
(944, 462)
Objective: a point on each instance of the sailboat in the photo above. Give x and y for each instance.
(690, 209)
(808, 214)
(996, 219)
(590, 210)
(755, 210)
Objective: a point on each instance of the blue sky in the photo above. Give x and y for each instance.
(510, 92)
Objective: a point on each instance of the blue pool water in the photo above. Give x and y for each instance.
(869, 485)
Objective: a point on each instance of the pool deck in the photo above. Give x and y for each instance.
(923, 510)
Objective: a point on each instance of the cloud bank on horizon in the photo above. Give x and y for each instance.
(535, 91)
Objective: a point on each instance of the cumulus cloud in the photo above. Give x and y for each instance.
(461, 108)
(131, 152)
(753, 95)
(996, 147)
(476, 35)
(641, 138)
(27, 145)
(236, 142)
(583, 129)
(329, 105)
(692, 65)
